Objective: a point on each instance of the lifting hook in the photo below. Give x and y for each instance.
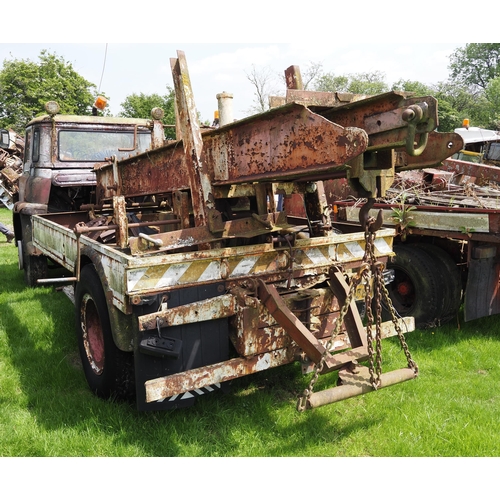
(370, 223)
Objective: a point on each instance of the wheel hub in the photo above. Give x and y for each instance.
(93, 338)
(404, 288)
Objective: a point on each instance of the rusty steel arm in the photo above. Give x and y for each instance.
(195, 167)
(479, 170)
(284, 144)
(305, 339)
(392, 120)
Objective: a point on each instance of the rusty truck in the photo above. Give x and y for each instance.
(57, 172)
(215, 256)
(447, 246)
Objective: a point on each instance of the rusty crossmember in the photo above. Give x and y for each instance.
(356, 381)
(179, 383)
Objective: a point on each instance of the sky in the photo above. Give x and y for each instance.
(121, 69)
(127, 49)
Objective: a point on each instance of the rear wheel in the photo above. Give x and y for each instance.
(108, 370)
(451, 279)
(417, 289)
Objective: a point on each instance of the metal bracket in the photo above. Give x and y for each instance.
(369, 223)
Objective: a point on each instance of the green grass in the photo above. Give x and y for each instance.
(46, 409)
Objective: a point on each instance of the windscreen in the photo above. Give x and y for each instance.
(95, 146)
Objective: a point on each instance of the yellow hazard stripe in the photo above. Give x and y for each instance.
(354, 250)
(167, 275)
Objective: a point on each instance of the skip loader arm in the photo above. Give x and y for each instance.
(312, 136)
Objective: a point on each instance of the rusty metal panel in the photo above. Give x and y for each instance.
(478, 170)
(153, 273)
(222, 306)
(289, 142)
(55, 242)
(446, 219)
(256, 331)
(197, 378)
(482, 293)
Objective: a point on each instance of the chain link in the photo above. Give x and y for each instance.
(402, 340)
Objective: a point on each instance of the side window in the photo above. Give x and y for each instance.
(36, 144)
(4, 139)
(27, 149)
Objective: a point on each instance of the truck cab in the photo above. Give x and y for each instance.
(61, 152)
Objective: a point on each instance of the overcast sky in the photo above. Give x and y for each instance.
(132, 47)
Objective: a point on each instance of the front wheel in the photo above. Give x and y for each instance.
(108, 370)
(35, 267)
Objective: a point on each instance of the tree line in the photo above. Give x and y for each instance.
(25, 87)
(472, 90)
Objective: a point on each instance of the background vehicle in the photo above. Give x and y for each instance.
(58, 169)
(447, 248)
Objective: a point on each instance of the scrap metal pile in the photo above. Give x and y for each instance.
(11, 168)
(443, 188)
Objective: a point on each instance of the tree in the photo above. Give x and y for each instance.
(140, 106)
(492, 94)
(264, 83)
(25, 87)
(457, 101)
(312, 72)
(357, 83)
(417, 88)
(476, 64)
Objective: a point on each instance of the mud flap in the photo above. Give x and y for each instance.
(187, 347)
(482, 293)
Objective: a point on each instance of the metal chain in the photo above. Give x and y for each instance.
(404, 345)
(302, 401)
(375, 362)
(380, 290)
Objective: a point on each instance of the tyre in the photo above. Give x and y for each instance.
(35, 268)
(451, 279)
(108, 370)
(417, 289)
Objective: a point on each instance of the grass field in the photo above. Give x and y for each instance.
(450, 410)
